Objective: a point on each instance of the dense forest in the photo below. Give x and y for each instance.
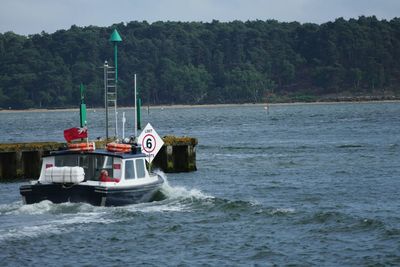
(198, 63)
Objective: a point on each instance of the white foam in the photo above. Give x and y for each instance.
(180, 192)
(27, 232)
(174, 202)
(7, 208)
(63, 224)
(64, 218)
(161, 206)
(282, 210)
(37, 208)
(84, 218)
(254, 202)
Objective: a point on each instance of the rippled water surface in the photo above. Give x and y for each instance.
(300, 185)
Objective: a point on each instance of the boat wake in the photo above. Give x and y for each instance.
(47, 219)
(180, 192)
(171, 199)
(179, 198)
(169, 195)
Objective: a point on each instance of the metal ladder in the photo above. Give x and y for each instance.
(110, 98)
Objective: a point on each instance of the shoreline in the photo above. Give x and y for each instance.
(182, 106)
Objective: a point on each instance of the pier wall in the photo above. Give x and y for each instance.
(178, 154)
(23, 160)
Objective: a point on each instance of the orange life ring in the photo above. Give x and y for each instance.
(115, 147)
(118, 150)
(81, 146)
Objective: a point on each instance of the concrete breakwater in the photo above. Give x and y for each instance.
(23, 160)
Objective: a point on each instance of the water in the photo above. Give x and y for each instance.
(303, 185)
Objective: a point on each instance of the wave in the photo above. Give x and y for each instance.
(271, 211)
(195, 199)
(258, 149)
(323, 217)
(282, 211)
(350, 146)
(45, 207)
(9, 208)
(392, 233)
(335, 221)
(171, 198)
(394, 146)
(180, 192)
(45, 218)
(181, 199)
(249, 147)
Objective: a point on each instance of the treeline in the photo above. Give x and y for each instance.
(197, 63)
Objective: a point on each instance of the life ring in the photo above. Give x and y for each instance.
(115, 147)
(82, 146)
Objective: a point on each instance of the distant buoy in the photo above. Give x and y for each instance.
(266, 108)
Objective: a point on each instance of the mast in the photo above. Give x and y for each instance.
(82, 108)
(111, 83)
(105, 66)
(135, 126)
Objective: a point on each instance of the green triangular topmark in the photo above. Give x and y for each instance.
(115, 37)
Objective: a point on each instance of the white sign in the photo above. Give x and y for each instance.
(150, 142)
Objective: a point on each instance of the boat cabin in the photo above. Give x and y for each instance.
(100, 166)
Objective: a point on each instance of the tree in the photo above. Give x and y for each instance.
(217, 62)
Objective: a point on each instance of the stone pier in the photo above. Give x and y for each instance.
(23, 160)
(177, 155)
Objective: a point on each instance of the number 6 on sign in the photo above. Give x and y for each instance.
(150, 142)
(147, 143)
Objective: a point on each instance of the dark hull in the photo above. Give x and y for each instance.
(95, 195)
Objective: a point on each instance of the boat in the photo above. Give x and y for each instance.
(114, 176)
(105, 177)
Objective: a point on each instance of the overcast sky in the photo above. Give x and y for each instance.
(34, 16)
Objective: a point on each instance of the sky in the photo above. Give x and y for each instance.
(34, 16)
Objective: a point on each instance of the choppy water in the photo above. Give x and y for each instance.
(303, 185)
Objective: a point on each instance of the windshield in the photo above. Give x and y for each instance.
(92, 164)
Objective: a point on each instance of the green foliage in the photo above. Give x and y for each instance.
(197, 63)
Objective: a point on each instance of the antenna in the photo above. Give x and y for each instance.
(82, 108)
(123, 125)
(135, 106)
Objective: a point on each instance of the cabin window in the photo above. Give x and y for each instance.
(129, 170)
(66, 160)
(108, 161)
(103, 163)
(140, 168)
(92, 164)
